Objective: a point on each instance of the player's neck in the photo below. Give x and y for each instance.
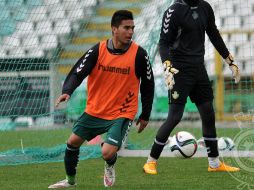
(119, 45)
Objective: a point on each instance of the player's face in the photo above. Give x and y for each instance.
(123, 34)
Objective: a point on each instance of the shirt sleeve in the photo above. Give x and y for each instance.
(81, 70)
(144, 71)
(214, 35)
(169, 32)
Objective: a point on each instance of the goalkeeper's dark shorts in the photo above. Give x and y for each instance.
(193, 82)
(87, 127)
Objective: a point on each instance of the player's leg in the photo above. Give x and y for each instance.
(70, 161)
(177, 99)
(174, 117)
(76, 139)
(202, 95)
(209, 133)
(109, 154)
(117, 132)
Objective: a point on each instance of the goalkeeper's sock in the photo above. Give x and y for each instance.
(211, 146)
(151, 159)
(157, 148)
(214, 162)
(71, 160)
(71, 179)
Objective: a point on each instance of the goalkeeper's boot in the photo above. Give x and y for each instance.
(109, 175)
(150, 167)
(223, 168)
(62, 184)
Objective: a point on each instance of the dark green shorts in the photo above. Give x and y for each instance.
(87, 127)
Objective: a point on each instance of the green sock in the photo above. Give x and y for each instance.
(70, 179)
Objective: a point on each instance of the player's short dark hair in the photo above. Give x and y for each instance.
(120, 15)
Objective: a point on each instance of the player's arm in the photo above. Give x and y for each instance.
(143, 70)
(219, 44)
(170, 31)
(78, 73)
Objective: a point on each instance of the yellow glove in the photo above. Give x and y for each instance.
(169, 73)
(234, 68)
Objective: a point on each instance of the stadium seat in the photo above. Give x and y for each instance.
(11, 41)
(30, 42)
(2, 54)
(249, 67)
(231, 23)
(70, 5)
(48, 41)
(243, 9)
(226, 8)
(43, 27)
(56, 12)
(75, 14)
(38, 14)
(238, 38)
(248, 22)
(35, 53)
(51, 2)
(16, 52)
(62, 27)
(24, 28)
(87, 3)
(245, 51)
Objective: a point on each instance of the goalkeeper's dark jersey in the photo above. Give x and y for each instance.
(114, 79)
(183, 33)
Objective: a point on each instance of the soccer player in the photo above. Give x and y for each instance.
(181, 47)
(116, 69)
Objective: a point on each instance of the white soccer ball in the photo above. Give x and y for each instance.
(183, 144)
(225, 143)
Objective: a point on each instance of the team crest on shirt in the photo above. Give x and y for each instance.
(195, 15)
(175, 95)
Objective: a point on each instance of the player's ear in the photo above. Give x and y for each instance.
(114, 29)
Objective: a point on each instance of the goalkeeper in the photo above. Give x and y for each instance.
(182, 50)
(116, 69)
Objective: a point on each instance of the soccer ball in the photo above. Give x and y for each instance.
(183, 144)
(225, 143)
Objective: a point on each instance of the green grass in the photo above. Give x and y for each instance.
(177, 174)
(173, 173)
(49, 138)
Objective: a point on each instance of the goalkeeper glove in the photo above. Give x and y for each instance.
(169, 73)
(233, 67)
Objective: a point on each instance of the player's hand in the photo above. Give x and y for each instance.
(234, 68)
(142, 125)
(62, 98)
(169, 73)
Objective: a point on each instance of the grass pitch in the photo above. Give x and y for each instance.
(177, 174)
(174, 173)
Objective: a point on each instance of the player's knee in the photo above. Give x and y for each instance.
(107, 154)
